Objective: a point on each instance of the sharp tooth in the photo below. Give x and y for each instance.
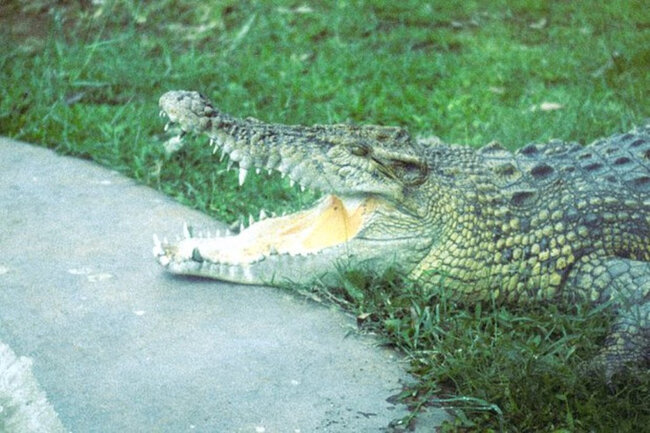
(242, 175)
(269, 171)
(262, 215)
(248, 275)
(223, 155)
(167, 126)
(162, 113)
(251, 220)
(273, 250)
(241, 227)
(186, 231)
(302, 188)
(229, 166)
(258, 170)
(292, 183)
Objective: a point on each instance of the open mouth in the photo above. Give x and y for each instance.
(342, 227)
(332, 221)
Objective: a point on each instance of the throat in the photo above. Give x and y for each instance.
(332, 221)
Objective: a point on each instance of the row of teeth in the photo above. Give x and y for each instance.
(237, 271)
(224, 141)
(243, 172)
(190, 233)
(161, 254)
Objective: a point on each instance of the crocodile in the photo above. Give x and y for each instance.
(551, 222)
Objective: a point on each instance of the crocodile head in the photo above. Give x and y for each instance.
(369, 215)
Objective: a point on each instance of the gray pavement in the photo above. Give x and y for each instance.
(117, 345)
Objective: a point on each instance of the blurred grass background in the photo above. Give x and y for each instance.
(84, 77)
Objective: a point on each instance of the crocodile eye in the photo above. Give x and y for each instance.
(411, 173)
(359, 150)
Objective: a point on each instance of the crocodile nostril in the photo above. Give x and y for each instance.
(196, 255)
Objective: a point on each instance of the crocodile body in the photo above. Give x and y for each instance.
(550, 222)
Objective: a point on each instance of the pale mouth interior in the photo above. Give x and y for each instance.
(330, 222)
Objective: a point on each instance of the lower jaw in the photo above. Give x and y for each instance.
(270, 270)
(325, 266)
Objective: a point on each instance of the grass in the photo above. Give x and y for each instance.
(84, 78)
(496, 368)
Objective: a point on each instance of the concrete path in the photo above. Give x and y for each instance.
(117, 345)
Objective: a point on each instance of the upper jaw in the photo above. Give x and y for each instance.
(312, 157)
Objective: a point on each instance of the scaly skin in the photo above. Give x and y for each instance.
(553, 221)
